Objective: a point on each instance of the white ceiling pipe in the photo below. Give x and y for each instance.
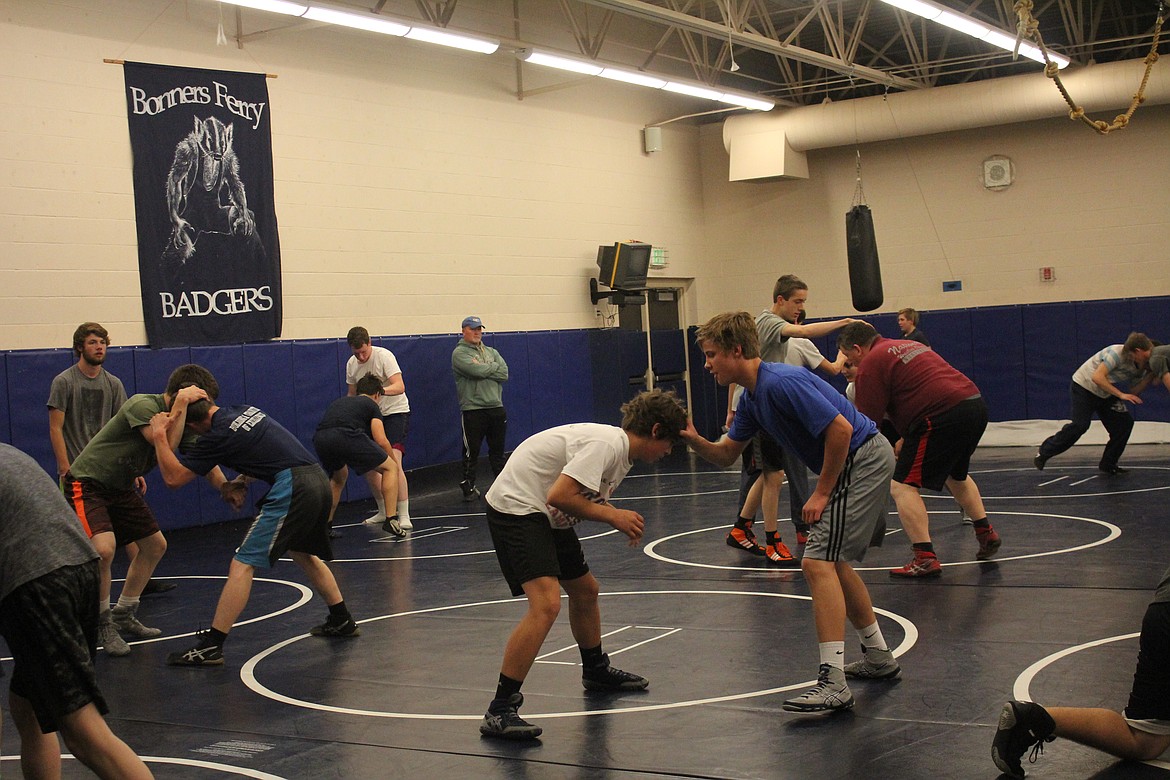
(763, 146)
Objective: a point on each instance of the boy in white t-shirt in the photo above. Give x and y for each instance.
(553, 480)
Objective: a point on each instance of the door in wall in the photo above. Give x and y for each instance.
(666, 347)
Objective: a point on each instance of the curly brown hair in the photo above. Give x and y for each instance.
(655, 407)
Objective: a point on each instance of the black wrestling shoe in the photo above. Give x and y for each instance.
(1023, 726)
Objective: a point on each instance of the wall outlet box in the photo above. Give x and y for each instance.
(954, 286)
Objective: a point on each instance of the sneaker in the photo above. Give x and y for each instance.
(1039, 461)
(801, 538)
(155, 586)
(329, 628)
(780, 555)
(127, 623)
(874, 665)
(744, 539)
(989, 543)
(502, 720)
(376, 519)
(830, 693)
(923, 564)
(199, 655)
(965, 518)
(1023, 726)
(109, 638)
(1113, 470)
(392, 526)
(470, 491)
(607, 678)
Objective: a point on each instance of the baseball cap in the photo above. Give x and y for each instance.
(472, 322)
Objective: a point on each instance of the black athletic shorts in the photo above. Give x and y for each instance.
(1149, 701)
(50, 625)
(940, 446)
(125, 513)
(769, 453)
(340, 447)
(396, 427)
(528, 547)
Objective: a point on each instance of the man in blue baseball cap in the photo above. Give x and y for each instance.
(480, 374)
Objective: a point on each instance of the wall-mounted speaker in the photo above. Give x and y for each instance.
(652, 139)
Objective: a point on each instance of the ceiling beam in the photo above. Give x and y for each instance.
(751, 40)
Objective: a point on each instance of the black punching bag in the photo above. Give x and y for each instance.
(865, 275)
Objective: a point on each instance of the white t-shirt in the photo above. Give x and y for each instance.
(1120, 371)
(802, 352)
(383, 365)
(596, 455)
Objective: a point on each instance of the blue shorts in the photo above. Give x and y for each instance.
(294, 515)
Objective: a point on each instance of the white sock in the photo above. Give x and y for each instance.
(127, 602)
(871, 637)
(381, 503)
(404, 510)
(833, 653)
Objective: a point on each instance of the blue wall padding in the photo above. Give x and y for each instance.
(669, 351)
(708, 400)
(1022, 358)
(120, 363)
(951, 336)
(1099, 324)
(27, 389)
(1051, 357)
(523, 412)
(998, 345)
(552, 374)
(574, 372)
(609, 380)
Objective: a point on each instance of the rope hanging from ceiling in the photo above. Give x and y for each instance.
(1029, 28)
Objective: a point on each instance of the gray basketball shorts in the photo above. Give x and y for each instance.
(855, 518)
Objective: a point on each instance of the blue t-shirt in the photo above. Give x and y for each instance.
(794, 406)
(247, 440)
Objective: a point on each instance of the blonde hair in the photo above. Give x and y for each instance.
(730, 330)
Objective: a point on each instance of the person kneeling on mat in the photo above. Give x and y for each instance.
(554, 480)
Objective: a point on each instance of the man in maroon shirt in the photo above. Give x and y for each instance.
(940, 417)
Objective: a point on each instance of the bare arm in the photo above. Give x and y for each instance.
(566, 495)
(837, 438)
(816, 329)
(378, 434)
(722, 453)
(394, 386)
(174, 473)
(1101, 380)
(57, 439)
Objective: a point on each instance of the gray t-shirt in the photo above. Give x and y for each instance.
(1160, 361)
(773, 346)
(88, 404)
(39, 533)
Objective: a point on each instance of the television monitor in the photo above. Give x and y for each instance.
(624, 265)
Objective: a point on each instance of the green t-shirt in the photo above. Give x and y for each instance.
(119, 452)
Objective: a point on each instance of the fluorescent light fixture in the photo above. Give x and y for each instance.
(357, 21)
(642, 79)
(693, 91)
(444, 38)
(965, 24)
(748, 101)
(631, 77)
(926, 10)
(273, 6)
(561, 63)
